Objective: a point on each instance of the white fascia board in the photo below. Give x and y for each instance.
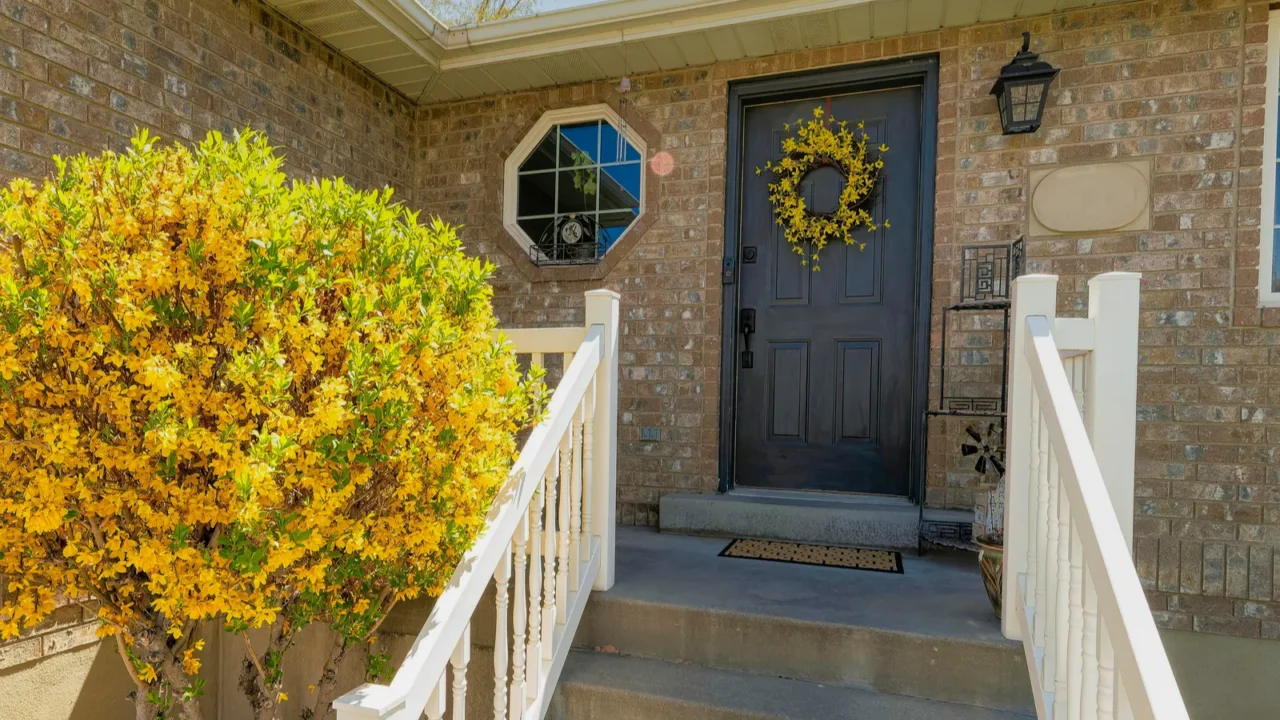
(434, 30)
(561, 30)
(574, 18)
(428, 54)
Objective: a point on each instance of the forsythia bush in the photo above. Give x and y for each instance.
(233, 400)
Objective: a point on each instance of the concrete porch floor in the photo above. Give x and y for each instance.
(937, 595)
(928, 633)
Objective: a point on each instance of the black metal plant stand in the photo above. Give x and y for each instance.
(986, 285)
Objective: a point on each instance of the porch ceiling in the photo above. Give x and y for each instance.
(402, 43)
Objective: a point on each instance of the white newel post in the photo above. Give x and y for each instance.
(602, 309)
(1111, 387)
(1032, 295)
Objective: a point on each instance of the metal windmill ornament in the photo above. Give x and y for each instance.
(988, 445)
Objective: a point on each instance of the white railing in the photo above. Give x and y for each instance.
(547, 542)
(1071, 592)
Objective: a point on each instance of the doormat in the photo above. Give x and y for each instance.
(889, 561)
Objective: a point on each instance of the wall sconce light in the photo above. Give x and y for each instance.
(1022, 90)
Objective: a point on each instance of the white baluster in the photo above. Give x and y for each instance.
(1050, 564)
(536, 359)
(1033, 498)
(588, 467)
(1106, 675)
(519, 619)
(1089, 683)
(461, 656)
(1075, 630)
(501, 578)
(439, 699)
(1041, 527)
(575, 502)
(562, 526)
(1076, 373)
(1062, 616)
(1124, 711)
(533, 657)
(549, 557)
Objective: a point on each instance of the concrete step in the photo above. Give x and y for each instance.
(927, 633)
(826, 518)
(596, 685)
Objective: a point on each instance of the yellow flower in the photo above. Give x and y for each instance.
(190, 664)
(833, 143)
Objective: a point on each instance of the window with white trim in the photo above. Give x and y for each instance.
(1269, 242)
(574, 185)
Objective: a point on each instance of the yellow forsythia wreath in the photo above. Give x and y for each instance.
(822, 142)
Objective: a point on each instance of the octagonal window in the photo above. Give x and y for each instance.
(574, 186)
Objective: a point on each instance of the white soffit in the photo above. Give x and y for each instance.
(400, 42)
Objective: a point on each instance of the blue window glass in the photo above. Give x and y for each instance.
(613, 224)
(1275, 239)
(611, 144)
(621, 187)
(578, 191)
(580, 143)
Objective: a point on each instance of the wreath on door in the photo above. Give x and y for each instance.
(824, 142)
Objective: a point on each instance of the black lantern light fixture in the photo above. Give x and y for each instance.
(1022, 89)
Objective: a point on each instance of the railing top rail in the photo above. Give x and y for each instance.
(408, 694)
(1139, 653)
(544, 340)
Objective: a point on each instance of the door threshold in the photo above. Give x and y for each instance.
(869, 521)
(821, 495)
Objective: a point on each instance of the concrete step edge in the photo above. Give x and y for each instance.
(704, 693)
(947, 669)
(668, 607)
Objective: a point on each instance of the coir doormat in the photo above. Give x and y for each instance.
(826, 555)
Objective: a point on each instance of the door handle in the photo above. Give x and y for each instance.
(747, 326)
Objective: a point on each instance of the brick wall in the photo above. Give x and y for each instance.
(1179, 82)
(81, 76)
(669, 281)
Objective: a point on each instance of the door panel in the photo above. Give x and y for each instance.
(790, 277)
(857, 390)
(788, 391)
(826, 402)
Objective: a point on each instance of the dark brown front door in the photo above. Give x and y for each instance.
(827, 400)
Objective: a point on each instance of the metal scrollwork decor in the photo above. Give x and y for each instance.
(569, 240)
(824, 142)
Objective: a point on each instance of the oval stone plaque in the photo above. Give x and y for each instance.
(1090, 198)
